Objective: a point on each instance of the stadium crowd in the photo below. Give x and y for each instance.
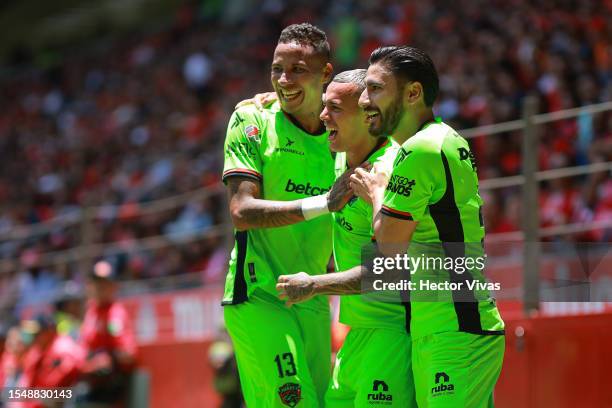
(83, 342)
(123, 123)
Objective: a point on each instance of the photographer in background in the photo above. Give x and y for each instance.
(108, 339)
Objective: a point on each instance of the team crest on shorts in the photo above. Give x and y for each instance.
(290, 394)
(252, 132)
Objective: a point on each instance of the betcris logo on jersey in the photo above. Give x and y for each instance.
(306, 189)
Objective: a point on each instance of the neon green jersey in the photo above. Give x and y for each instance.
(434, 182)
(352, 232)
(290, 164)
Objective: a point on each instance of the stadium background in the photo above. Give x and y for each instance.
(111, 129)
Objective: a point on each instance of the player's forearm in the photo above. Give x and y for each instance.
(339, 283)
(376, 214)
(257, 213)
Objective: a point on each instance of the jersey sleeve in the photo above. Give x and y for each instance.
(242, 156)
(413, 180)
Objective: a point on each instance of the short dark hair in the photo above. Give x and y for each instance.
(411, 64)
(354, 76)
(306, 34)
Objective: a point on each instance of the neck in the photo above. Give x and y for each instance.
(361, 151)
(411, 124)
(309, 121)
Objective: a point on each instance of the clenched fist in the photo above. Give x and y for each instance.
(295, 288)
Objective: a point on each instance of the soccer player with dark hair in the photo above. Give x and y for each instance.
(457, 342)
(279, 173)
(374, 363)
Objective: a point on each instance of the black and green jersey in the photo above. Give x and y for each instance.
(434, 182)
(290, 164)
(352, 232)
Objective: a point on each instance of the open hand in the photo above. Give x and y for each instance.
(341, 192)
(368, 185)
(260, 100)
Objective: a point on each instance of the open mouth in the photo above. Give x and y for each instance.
(289, 96)
(332, 135)
(372, 115)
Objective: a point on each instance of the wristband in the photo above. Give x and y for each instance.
(313, 207)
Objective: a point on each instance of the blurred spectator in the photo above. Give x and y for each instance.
(68, 307)
(223, 361)
(37, 285)
(11, 365)
(108, 339)
(53, 360)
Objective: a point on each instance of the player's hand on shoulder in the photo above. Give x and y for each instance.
(341, 193)
(295, 288)
(260, 100)
(369, 184)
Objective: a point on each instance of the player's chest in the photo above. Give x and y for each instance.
(295, 168)
(355, 218)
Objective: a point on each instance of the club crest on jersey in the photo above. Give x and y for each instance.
(290, 394)
(252, 132)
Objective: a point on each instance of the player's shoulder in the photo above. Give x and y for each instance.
(387, 153)
(245, 113)
(430, 141)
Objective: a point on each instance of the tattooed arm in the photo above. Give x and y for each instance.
(249, 210)
(301, 286)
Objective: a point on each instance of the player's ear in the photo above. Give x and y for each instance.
(328, 70)
(413, 92)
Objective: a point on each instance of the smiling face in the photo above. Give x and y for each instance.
(298, 76)
(343, 117)
(382, 100)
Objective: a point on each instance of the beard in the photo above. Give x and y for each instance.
(389, 119)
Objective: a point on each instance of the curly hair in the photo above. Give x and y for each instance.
(306, 34)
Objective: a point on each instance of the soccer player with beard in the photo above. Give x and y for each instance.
(279, 172)
(374, 363)
(457, 342)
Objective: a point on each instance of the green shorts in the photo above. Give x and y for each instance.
(456, 369)
(373, 369)
(283, 353)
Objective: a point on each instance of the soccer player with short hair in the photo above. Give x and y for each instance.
(457, 343)
(374, 363)
(279, 172)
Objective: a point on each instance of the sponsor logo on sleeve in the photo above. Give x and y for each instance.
(239, 149)
(237, 120)
(252, 132)
(401, 156)
(401, 185)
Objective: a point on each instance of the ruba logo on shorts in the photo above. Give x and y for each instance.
(443, 385)
(380, 394)
(290, 394)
